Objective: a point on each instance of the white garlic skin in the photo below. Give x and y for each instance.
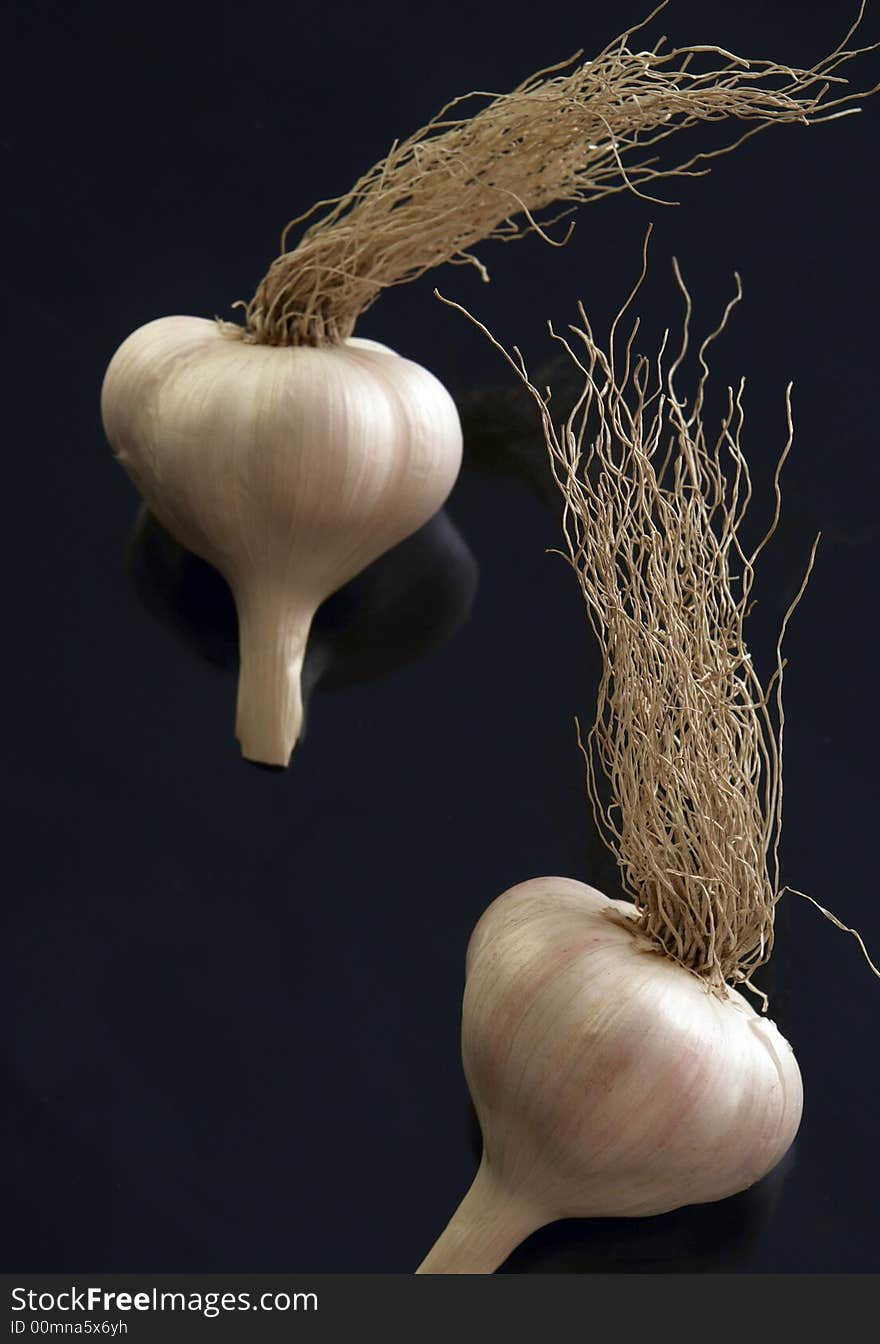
(608, 1082)
(290, 469)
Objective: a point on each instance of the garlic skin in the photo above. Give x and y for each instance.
(289, 469)
(607, 1080)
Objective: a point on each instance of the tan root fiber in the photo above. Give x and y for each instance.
(557, 138)
(686, 736)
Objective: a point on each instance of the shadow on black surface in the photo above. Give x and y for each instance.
(701, 1238)
(403, 606)
(502, 434)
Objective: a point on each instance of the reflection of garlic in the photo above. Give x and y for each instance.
(288, 468)
(608, 1081)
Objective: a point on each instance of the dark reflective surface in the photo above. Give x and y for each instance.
(235, 994)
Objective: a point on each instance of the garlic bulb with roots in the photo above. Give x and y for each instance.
(289, 453)
(615, 1068)
(606, 1080)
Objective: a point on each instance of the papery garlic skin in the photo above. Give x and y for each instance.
(635, 1088)
(290, 469)
(608, 1081)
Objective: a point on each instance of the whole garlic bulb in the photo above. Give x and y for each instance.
(608, 1081)
(289, 468)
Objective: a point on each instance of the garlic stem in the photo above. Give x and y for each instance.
(272, 644)
(487, 1226)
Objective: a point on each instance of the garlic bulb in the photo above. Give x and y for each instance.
(608, 1081)
(289, 468)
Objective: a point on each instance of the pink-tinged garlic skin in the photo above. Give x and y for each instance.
(288, 468)
(607, 1080)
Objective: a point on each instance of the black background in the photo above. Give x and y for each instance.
(235, 993)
